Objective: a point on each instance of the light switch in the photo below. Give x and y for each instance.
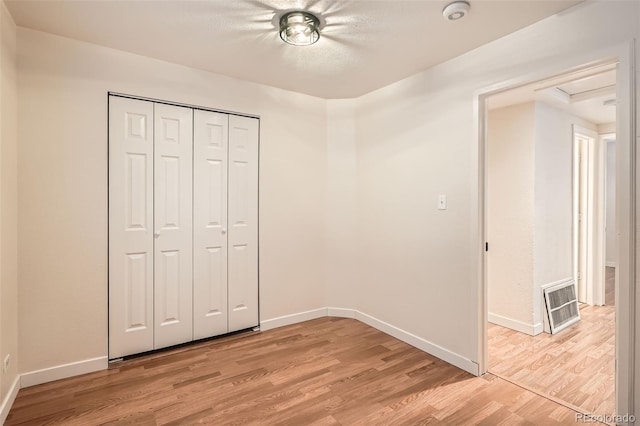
(442, 202)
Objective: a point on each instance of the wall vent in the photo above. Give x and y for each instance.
(562, 305)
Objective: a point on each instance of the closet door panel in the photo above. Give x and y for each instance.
(173, 292)
(130, 226)
(210, 224)
(243, 223)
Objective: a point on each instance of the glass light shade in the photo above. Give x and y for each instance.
(299, 28)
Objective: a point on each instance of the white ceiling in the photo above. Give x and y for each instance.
(582, 93)
(364, 44)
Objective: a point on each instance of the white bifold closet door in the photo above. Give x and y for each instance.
(130, 226)
(150, 226)
(243, 222)
(173, 209)
(210, 144)
(183, 224)
(225, 190)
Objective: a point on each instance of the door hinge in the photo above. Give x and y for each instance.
(486, 246)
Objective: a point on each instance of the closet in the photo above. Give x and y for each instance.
(183, 224)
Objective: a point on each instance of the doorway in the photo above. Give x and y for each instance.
(535, 319)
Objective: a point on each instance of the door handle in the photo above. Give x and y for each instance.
(156, 234)
(223, 231)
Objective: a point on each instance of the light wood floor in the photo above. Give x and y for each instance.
(321, 372)
(610, 286)
(577, 365)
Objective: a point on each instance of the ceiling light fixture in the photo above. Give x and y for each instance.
(456, 10)
(299, 28)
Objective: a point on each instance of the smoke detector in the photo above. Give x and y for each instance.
(456, 10)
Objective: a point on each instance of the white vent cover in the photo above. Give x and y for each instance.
(562, 305)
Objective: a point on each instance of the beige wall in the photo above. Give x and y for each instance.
(407, 263)
(416, 139)
(606, 128)
(529, 209)
(511, 164)
(62, 169)
(413, 143)
(553, 226)
(611, 247)
(343, 269)
(8, 203)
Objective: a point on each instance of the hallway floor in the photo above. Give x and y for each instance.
(577, 365)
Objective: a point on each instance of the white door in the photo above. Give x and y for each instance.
(173, 225)
(590, 229)
(583, 217)
(130, 226)
(209, 224)
(243, 222)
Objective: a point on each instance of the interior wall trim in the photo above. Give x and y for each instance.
(411, 339)
(8, 400)
(513, 324)
(63, 371)
(101, 363)
(400, 334)
(284, 320)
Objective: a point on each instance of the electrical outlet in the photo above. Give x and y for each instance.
(5, 363)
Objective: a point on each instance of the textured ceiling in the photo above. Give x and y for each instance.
(365, 44)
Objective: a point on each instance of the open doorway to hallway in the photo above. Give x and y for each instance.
(548, 224)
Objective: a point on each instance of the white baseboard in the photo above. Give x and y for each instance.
(63, 371)
(292, 319)
(7, 402)
(538, 328)
(341, 312)
(522, 327)
(96, 364)
(405, 336)
(420, 343)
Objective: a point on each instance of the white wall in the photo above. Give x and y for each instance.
(606, 128)
(408, 142)
(553, 223)
(529, 209)
(416, 139)
(611, 248)
(413, 144)
(8, 203)
(342, 256)
(510, 216)
(62, 171)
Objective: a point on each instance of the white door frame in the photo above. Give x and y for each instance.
(591, 284)
(624, 55)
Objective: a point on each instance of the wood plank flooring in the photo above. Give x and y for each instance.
(577, 365)
(328, 371)
(610, 286)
